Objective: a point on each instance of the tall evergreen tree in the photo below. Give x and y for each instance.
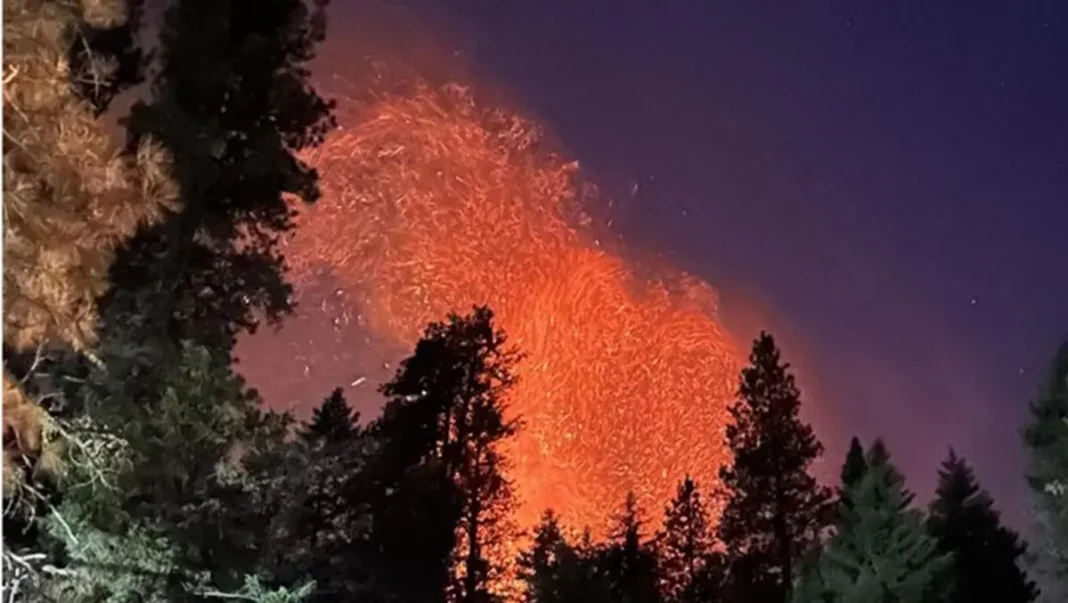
(70, 199)
(539, 567)
(775, 508)
(880, 551)
(231, 100)
(162, 503)
(689, 568)
(323, 517)
(332, 422)
(1046, 441)
(195, 474)
(627, 561)
(852, 471)
(554, 571)
(986, 554)
(444, 422)
(855, 464)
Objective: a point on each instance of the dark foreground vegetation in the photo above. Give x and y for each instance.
(139, 467)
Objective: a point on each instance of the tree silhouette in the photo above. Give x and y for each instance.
(1046, 441)
(554, 571)
(775, 509)
(986, 554)
(232, 102)
(539, 567)
(852, 471)
(627, 561)
(323, 517)
(445, 417)
(689, 569)
(333, 421)
(855, 464)
(880, 551)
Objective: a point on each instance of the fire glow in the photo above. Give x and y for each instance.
(433, 204)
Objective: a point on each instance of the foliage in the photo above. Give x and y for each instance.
(627, 561)
(70, 198)
(323, 521)
(231, 101)
(115, 46)
(986, 554)
(775, 509)
(555, 571)
(159, 495)
(1046, 441)
(63, 552)
(689, 568)
(254, 590)
(880, 551)
(445, 418)
(853, 469)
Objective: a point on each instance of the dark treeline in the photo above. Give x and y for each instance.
(139, 467)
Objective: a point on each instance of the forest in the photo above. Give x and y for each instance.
(140, 467)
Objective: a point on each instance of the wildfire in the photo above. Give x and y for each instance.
(432, 204)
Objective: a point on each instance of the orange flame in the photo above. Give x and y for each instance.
(432, 204)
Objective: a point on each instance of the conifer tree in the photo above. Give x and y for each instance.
(323, 518)
(855, 464)
(689, 568)
(555, 571)
(775, 509)
(1046, 442)
(880, 551)
(112, 54)
(162, 502)
(333, 421)
(444, 422)
(986, 554)
(70, 197)
(852, 470)
(194, 473)
(627, 561)
(231, 100)
(539, 567)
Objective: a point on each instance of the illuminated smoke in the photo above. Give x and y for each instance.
(432, 204)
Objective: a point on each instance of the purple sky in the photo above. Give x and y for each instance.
(887, 182)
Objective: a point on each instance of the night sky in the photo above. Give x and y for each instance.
(884, 185)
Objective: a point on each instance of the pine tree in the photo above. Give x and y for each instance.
(1046, 441)
(195, 474)
(70, 198)
(628, 561)
(855, 464)
(323, 518)
(554, 571)
(231, 100)
(775, 508)
(852, 471)
(880, 551)
(113, 55)
(688, 566)
(986, 554)
(538, 567)
(445, 421)
(333, 421)
(162, 499)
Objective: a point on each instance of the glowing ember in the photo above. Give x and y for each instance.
(432, 205)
